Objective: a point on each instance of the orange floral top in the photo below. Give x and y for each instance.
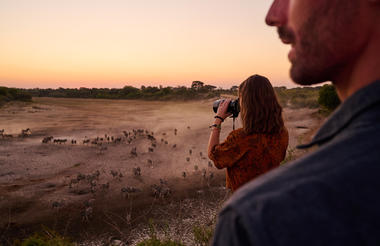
(247, 156)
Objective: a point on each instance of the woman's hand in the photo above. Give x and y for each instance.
(222, 109)
(214, 136)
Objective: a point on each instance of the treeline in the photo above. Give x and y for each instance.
(129, 92)
(11, 94)
(299, 97)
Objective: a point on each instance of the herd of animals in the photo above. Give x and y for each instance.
(91, 183)
(24, 133)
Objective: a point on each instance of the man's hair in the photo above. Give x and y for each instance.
(260, 110)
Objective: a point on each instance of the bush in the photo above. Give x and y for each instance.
(328, 97)
(9, 94)
(22, 96)
(299, 97)
(3, 91)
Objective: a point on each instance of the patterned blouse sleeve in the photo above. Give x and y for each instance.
(229, 152)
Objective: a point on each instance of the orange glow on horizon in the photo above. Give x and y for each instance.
(50, 44)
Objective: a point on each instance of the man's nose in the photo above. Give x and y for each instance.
(278, 13)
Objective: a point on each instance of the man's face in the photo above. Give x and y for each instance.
(324, 36)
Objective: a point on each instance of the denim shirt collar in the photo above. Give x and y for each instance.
(345, 113)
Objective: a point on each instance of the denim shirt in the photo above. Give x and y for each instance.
(330, 197)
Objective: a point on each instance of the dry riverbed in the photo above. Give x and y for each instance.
(110, 165)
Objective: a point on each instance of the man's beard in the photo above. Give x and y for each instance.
(312, 57)
(311, 63)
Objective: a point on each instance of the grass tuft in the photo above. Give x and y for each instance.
(203, 234)
(46, 238)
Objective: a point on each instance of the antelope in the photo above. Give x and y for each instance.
(150, 137)
(47, 139)
(114, 173)
(81, 176)
(204, 173)
(59, 141)
(25, 133)
(87, 213)
(137, 171)
(161, 191)
(128, 190)
(57, 204)
(211, 175)
(134, 151)
(210, 164)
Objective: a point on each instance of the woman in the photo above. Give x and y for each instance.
(260, 144)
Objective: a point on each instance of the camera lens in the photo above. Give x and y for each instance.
(233, 107)
(216, 104)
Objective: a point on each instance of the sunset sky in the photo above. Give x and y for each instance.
(113, 43)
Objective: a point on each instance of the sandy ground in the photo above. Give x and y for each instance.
(112, 164)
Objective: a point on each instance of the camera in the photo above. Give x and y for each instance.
(233, 107)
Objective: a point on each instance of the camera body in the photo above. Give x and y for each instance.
(233, 107)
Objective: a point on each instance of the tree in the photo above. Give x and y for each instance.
(234, 88)
(209, 87)
(328, 97)
(197, 85)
